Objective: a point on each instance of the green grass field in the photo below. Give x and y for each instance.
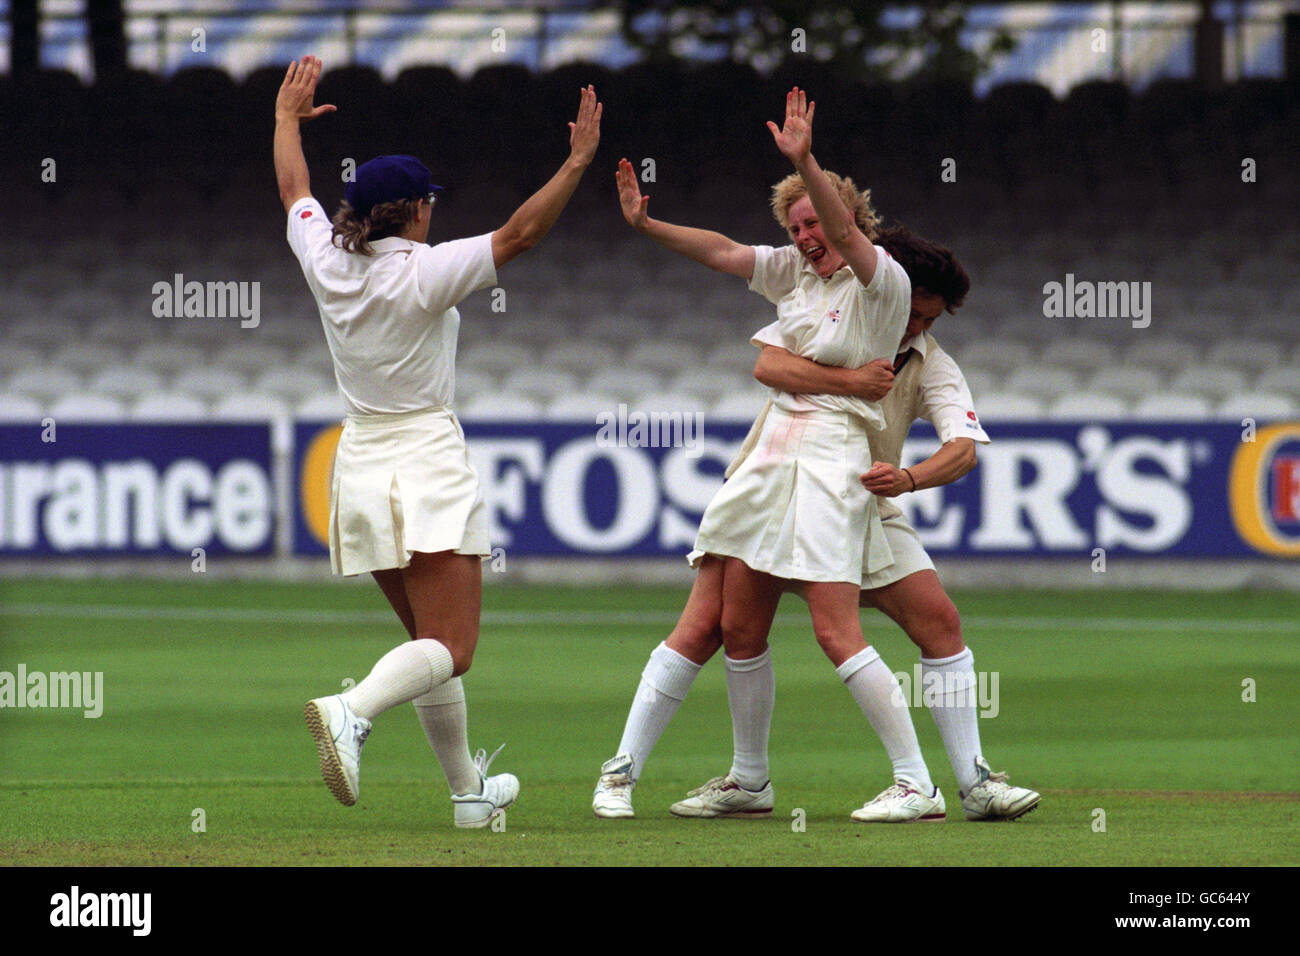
(1126, 702)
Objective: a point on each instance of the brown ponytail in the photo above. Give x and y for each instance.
(354, 233)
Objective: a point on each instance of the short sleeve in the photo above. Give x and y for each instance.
(309, 230)
(776, 272)
(946, 400)
(450, 271)
(770, 335)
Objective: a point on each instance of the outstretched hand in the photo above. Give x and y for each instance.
(298, 90)
(794, 139)
(584, 132)
(629, 195)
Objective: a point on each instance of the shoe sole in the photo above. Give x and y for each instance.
(733, 815)
(331, 768)
(1007, 818)
(607, 815)
(928, 818)
(486, 821)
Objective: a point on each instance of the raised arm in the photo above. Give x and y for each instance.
(950, 462)
(293, 107)
(534, 218)
(712, 249)
(783, 370)
(794, 140)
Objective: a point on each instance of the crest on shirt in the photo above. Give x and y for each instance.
(971, 416)
(305, 214)
(833, 315)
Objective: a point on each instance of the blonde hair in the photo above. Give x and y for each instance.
(791, 189)
(354, 233)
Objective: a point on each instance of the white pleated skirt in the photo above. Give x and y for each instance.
(403, 484)
(795, 507)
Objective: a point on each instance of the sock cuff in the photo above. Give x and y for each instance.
(751, 664)
(964, 656)
(438, 658)
(448, 692)
(863, 658)
(670, 673)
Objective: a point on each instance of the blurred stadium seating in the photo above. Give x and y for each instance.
(1106, 185)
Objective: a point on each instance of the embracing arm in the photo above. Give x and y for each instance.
(712, 249)
(950, 462)
(537, 215)
(293, 107)
(794, 140)
(787, 372)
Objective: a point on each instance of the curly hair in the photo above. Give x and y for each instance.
(791, 189)
(930, 266)
(354, 233)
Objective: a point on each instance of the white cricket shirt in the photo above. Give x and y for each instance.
(390, 319)
(835, 321)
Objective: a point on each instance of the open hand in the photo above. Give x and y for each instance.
(629, 195)
(298, 90)
(584, 132)
(794, 139)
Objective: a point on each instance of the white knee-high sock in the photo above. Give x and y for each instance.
(664, 683)
(403, 674)
(876, 690)
(441, 712)
(948, 687)
(751, 691)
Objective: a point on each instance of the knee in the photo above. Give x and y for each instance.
(695, 644)
(462, 656)
(838, 643)
(938, 633)
(742, 639)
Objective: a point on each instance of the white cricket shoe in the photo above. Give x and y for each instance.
(339, 734)
(613, 797)
(992, 798)
(474, 810)
(723, 797)
(903, 803)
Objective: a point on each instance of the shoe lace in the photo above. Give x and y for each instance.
(482, 761)
(714, 784)
(897, 790)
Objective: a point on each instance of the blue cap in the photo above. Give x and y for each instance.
(387, 179)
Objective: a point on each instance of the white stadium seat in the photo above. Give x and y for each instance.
(1166, 353)
(1217, 383)
(1043, 381)
(1174, 406)
(291, 382)
(1285, 380)
(168, 407)
(669, 402)
(1258, 405)
(664, 355)
(498, 357)
(501, 406)
(1126, 381)
(44, 382)
(710, 382)
(323, 405)
(1087, 406)
(1083, 354)
(739, 406)
(126, 382)
(471, 382)
(18, 408)
(578, 356)
(169, 357)
(980, 381)
(623, 381)
(581, 407)
(88, 357)
(87, 407)
(250, 406)
(542, 383)
(14, 357)
(1000, 355)
(251, 357)
(1248, 355)
(1009, 406)
(209, 384)
(49, 331)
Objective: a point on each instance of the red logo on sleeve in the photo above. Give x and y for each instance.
(971, 416)
(305, 214)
